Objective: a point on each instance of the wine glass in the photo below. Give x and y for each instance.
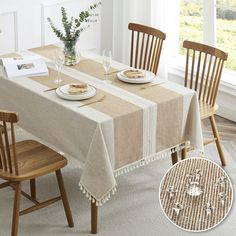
(106, 61)
(58, 61)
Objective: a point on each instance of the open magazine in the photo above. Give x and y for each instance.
(24, 66)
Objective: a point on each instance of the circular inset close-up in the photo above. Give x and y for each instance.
(196, 194)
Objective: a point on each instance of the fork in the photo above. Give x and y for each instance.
(151, 85)
(47, 90)
(113, 72)
(50, 89)
(89, 103)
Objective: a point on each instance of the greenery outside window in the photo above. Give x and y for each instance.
(212, 22)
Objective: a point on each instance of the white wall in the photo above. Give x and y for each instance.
(23, 23)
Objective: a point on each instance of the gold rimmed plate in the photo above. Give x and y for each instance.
(63, 93)
(138, 76)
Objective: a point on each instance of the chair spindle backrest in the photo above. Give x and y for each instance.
(204, 65)
(146, 46)
(8, 162)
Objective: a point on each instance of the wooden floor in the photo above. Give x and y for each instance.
(227, 129)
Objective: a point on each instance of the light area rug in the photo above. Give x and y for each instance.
(133, 211)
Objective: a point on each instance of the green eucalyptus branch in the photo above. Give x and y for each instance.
(74, 26)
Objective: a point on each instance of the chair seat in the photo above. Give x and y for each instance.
(34, 160)
(207, 110)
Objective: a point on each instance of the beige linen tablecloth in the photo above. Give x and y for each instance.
(130, 127)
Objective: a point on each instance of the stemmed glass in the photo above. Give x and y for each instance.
(106, 62)
(58, 61)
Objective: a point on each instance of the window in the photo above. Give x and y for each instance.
(191, 21)
(226, 30)
(212, 22)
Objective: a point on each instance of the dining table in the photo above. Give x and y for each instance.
(123, 127)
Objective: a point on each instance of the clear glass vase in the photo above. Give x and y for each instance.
(71, 54)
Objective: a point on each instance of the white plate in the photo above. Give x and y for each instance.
(62, 93)
(149, 77)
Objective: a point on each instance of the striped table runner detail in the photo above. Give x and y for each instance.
(193, 217)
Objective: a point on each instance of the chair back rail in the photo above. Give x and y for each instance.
(204, 65)
(146, 46)
(8, 161)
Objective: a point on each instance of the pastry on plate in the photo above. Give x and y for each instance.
(77, 88)
(134, 73)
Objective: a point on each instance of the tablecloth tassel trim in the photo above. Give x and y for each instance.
(101, 201)
(149, 159)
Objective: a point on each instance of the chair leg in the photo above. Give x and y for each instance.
(33, 188)
(174, 157)
(16, 210)
(94, 218)
(218, 142)
(64, 198)
(183, 153)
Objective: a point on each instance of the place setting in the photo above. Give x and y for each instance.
(143, 78)
(76, 91)
(68, 88)
(129, 75)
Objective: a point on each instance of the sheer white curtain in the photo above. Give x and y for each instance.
(124, 12)
(161, 14)
(165, 16)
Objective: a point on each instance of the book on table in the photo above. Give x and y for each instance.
(24, 66)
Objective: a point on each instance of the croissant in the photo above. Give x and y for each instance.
(77, 88)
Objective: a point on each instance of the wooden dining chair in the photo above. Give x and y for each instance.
(146, 46)
(27, 160)
(204, 65)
